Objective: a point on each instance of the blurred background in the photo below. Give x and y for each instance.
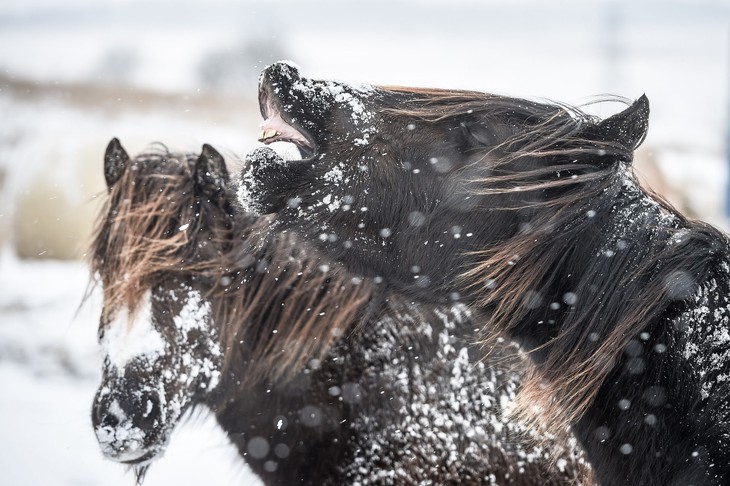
(76, 73)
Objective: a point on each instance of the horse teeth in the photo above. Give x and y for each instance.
(267, 134)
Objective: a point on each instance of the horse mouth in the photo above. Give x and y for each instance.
(143, 460)
(131, 453)
(130, 445)
(279, 127)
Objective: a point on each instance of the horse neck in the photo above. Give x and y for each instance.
(607, 245)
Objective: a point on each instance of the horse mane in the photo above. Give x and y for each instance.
(272, 298)
(554, 128)
(287, 305)
(568, 184)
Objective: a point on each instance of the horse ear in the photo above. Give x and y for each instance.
(115, 160)
(211, 175)
(628, 127)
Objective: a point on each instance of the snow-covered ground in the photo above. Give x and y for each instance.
(74, 74)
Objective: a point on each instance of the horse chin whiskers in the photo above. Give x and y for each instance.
(140, 472)
(195, 414)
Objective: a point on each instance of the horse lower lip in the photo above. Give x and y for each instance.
(127, 457)
(133, 457)
(127, 450)
(140, 461)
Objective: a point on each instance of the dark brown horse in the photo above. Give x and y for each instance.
(316, 375)
(530, 213)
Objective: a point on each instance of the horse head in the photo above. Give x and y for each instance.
(386, 167)
(162, 354)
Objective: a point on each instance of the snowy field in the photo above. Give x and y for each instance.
(74, 74)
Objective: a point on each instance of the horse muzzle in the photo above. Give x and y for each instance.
(131, 436)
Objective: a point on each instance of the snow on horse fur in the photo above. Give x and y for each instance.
(317, 375)
(530, 213)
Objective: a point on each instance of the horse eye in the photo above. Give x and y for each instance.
(478, 132)
(169, 232)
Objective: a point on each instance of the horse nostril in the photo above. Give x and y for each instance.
(150, 408)
(102, 416)
(96, 415)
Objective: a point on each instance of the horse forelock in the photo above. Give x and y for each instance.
(142, 227)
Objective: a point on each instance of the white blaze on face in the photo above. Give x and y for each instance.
(132, 336)
(195, 315)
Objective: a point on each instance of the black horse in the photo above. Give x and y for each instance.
(316, 375)
(531, 213)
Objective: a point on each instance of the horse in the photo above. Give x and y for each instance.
(530, 213)
(317, 375)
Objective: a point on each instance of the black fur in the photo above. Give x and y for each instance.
(530, 212)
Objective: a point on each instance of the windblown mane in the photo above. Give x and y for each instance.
(574, 195)
(270, 297)
(287, 307)
(554, 128)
